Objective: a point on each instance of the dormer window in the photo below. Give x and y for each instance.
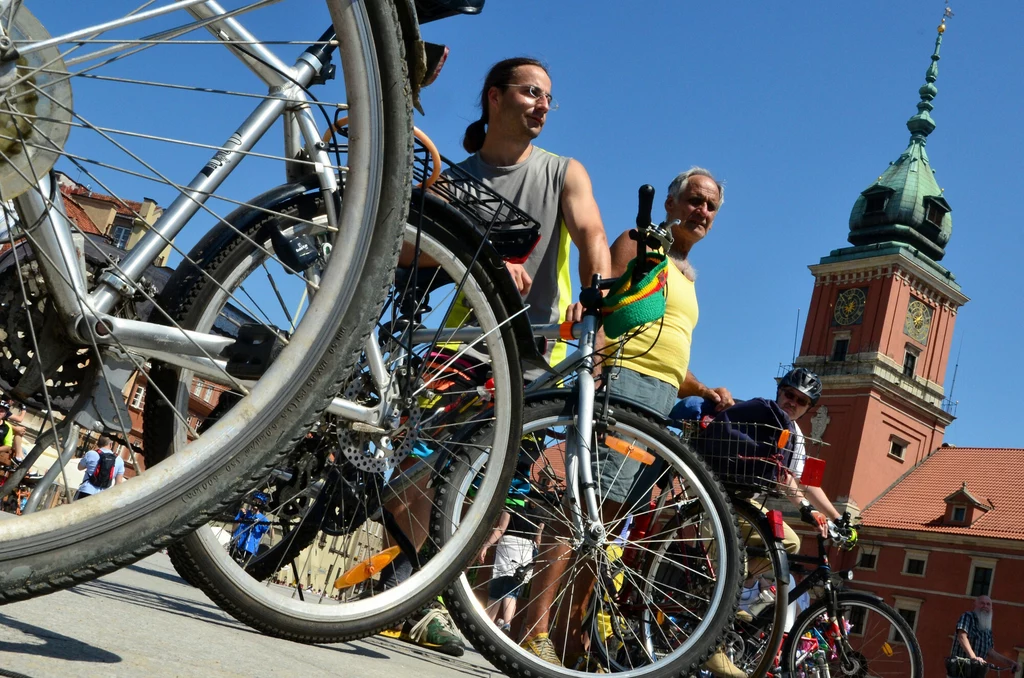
(935, 208)
(959, 514)
(876, 198)
(875, 204)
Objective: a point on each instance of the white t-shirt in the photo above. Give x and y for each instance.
(799, 456)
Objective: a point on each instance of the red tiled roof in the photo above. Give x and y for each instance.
(916, 501)
(128, 208)
(77, 214)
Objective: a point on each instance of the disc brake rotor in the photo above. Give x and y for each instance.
(378, 452)
(35, 104)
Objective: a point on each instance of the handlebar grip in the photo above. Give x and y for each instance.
(646, 203)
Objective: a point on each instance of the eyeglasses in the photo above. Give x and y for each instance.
(535, 93)
(797, 398)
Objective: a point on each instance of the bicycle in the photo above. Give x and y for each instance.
(669, 595)
(332, 508)
(81, 321)
(845, 633)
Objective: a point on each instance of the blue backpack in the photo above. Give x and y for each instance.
(747, 444)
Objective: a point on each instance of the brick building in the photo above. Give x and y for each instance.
(941, 524)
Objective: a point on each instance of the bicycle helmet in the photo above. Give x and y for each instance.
(805, 381)
(260, 499)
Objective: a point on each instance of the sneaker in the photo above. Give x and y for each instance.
(433, 628)
(588, 663)
(721, 666)
(542, 646)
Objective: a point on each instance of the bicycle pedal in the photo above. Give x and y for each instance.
(255, 348)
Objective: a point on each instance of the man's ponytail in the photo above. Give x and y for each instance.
(473, 140)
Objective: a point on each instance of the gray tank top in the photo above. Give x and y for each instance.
(535, 186)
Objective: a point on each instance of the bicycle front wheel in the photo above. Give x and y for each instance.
(325, 296)
(653, 599)
(866, 638)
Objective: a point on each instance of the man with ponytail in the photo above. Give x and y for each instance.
(556, 190)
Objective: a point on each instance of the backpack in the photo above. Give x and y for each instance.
(747, 444)
(103, 476)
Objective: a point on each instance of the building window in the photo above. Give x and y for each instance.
(983, 572)
(897, 449)
(138, 397)
(981, 581)
(839, 350)
(120, 236)
(868, 558)
(959, 514)
(910, 610)
(935, 214)
(857, 618)
(909, 364)
(197, 388)
(875, 203)
(915, 562)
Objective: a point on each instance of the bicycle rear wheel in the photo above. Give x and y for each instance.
(654, 605)
(325, 504)
(868, 638)
(316, 328)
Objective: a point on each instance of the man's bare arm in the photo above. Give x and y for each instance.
(583, 221)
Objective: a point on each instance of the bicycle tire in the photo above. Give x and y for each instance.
(893, 658)
(504, 652)
(58, 548)
(753, 645)
(249, 596)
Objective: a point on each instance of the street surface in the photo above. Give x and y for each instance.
(145, 621)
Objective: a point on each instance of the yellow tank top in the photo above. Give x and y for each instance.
(666, 356)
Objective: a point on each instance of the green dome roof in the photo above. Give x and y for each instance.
(905, 205)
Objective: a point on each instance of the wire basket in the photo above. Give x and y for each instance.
(756, 458)
(511, 231)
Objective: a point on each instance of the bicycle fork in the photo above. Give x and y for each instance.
(581, 489)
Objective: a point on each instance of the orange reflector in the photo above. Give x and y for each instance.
(366, 569)
(629, 450)
(775, 520)
(887, 649)
(783, 439)
(565, 331)
(660, 616)
(813, 473)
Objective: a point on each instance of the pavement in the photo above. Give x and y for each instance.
(146, 621)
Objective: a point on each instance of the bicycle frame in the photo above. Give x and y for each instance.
(86, 313)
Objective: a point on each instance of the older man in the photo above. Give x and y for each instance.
(973, 641)
(655, 370)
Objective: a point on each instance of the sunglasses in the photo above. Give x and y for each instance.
(796, 397)
(534, 92)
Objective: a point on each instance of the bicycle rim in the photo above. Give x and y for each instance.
(318, 570)
(878, 642)
(311, 321)
(648, 611)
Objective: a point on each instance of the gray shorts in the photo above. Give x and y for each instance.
(620, 479)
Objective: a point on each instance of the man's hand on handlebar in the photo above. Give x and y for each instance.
(520, 277)
(721, 397)
(574, 313)
(814, 518)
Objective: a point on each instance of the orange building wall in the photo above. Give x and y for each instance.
(943, 590)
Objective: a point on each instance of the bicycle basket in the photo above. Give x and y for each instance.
(511, 231)
(752, 446)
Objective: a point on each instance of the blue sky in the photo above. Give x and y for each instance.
(798, 107)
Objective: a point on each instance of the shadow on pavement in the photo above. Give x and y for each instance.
(143, 597)
(54, 645)
(452, 664)
(160, 574)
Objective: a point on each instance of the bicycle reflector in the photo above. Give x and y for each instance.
(775, 520)
(813, 473)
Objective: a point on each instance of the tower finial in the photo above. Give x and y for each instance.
(921, 125)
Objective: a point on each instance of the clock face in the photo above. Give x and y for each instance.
(850, 306)
(919, 321)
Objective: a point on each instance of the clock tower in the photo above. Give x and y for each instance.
(880, 325)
